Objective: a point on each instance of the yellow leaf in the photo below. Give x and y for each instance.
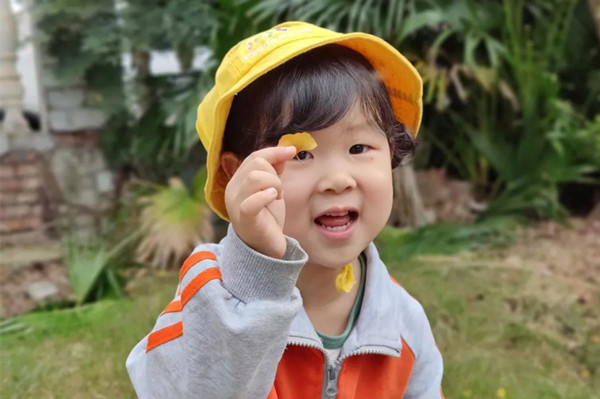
(467, 393)
(501, 393)
(345, 280)
(302, 141)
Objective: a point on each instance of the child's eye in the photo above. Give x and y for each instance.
(358, 148)
(303, 155)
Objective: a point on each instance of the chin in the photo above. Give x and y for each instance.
(336, 257)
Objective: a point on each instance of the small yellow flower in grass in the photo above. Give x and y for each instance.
(302, 141)
(585, 373)
(501, 393)
(467, 393)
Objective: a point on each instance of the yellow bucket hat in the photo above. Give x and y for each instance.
(257, 55)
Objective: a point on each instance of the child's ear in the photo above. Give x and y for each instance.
(230, 163)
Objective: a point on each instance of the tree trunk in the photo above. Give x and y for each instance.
(408, 209)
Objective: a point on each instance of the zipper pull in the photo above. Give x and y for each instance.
(332, 376)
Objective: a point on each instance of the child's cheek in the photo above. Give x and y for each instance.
(382, 195)
(296, 208)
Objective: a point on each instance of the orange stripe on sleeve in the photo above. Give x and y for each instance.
(173, 306)
(198, 282)
(164, 335)
(193, 259)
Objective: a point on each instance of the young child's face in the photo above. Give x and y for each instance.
(338, 196)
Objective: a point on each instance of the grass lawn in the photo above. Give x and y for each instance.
(504, 333)
(501, 341)
(80, 353)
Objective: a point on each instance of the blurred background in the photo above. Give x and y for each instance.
(495, 226)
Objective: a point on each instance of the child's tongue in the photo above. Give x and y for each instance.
(333, 221)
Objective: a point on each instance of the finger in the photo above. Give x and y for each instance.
(276, 156)
(252, 205)
(258, 180)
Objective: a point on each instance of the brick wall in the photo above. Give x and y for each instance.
(29, 198)
(43, 195)
(69, 187)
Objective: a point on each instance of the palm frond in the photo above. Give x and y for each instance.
(174, 220)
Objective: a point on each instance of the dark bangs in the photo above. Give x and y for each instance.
(312, 92)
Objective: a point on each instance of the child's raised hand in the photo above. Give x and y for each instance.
(254, 201)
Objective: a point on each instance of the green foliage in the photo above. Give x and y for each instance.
(173, 220)
(179, 25)
(150, 145)
(497, 107)
(94, 264)
(446, 238)
(86, 264)
(384, 18)
(511, 88)
(83, 37)
(88, 40)
(532, 150)
(92, 269)
(11, 326)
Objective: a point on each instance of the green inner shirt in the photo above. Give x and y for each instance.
(337, 341)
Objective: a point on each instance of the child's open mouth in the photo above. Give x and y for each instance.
(337, 221)
(337, 224)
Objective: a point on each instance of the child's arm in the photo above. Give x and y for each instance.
(229, 323)
(426, 379)
(230, 333)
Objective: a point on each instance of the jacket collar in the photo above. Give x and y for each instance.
(376, 329)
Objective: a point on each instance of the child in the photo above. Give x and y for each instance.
(271, 311)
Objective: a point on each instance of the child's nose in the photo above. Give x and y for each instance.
(336, 181)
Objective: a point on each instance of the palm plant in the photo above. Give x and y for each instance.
(173, 220)
(420, 28)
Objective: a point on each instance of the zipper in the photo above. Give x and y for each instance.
(332, 372)
(375, 350)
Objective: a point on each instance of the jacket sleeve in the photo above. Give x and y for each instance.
(426, 379)
(225, 332)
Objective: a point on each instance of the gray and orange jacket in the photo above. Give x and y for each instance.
(237, 329)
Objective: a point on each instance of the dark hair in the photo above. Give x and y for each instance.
(311, 92)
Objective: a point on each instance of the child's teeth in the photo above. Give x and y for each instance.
(337, 227)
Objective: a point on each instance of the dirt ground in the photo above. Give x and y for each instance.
(562, 261)
(559, 294)
(568, 256)
(14, 287)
